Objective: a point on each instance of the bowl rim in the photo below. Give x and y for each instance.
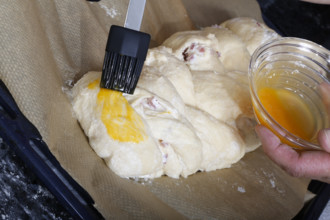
(277, 128)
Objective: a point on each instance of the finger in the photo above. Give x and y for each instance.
(317, 1)
(280, 153)
(324, 139)
(325, 93)
(310, 164)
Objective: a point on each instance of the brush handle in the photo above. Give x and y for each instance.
(134, 14)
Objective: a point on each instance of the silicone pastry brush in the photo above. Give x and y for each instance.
(126, 51)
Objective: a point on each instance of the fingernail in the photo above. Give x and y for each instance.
(267, 138)
(327, 137)
(324, 139)
(259, 130)
(325, 87)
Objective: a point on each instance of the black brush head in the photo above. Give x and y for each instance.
(125, 54)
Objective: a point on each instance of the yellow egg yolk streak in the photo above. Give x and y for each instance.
(121, 121)
(289, 110)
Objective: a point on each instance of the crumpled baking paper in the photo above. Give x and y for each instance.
(48, 45)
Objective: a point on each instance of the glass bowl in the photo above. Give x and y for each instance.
(285, 77)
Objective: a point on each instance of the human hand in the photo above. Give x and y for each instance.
(309, 164)
(325, 2)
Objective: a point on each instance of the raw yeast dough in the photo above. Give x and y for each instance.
(191, 109)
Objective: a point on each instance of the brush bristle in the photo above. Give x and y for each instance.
(120, 72)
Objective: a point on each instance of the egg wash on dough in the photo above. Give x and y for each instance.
(120, 119)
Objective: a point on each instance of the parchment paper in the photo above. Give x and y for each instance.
(47, 45)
